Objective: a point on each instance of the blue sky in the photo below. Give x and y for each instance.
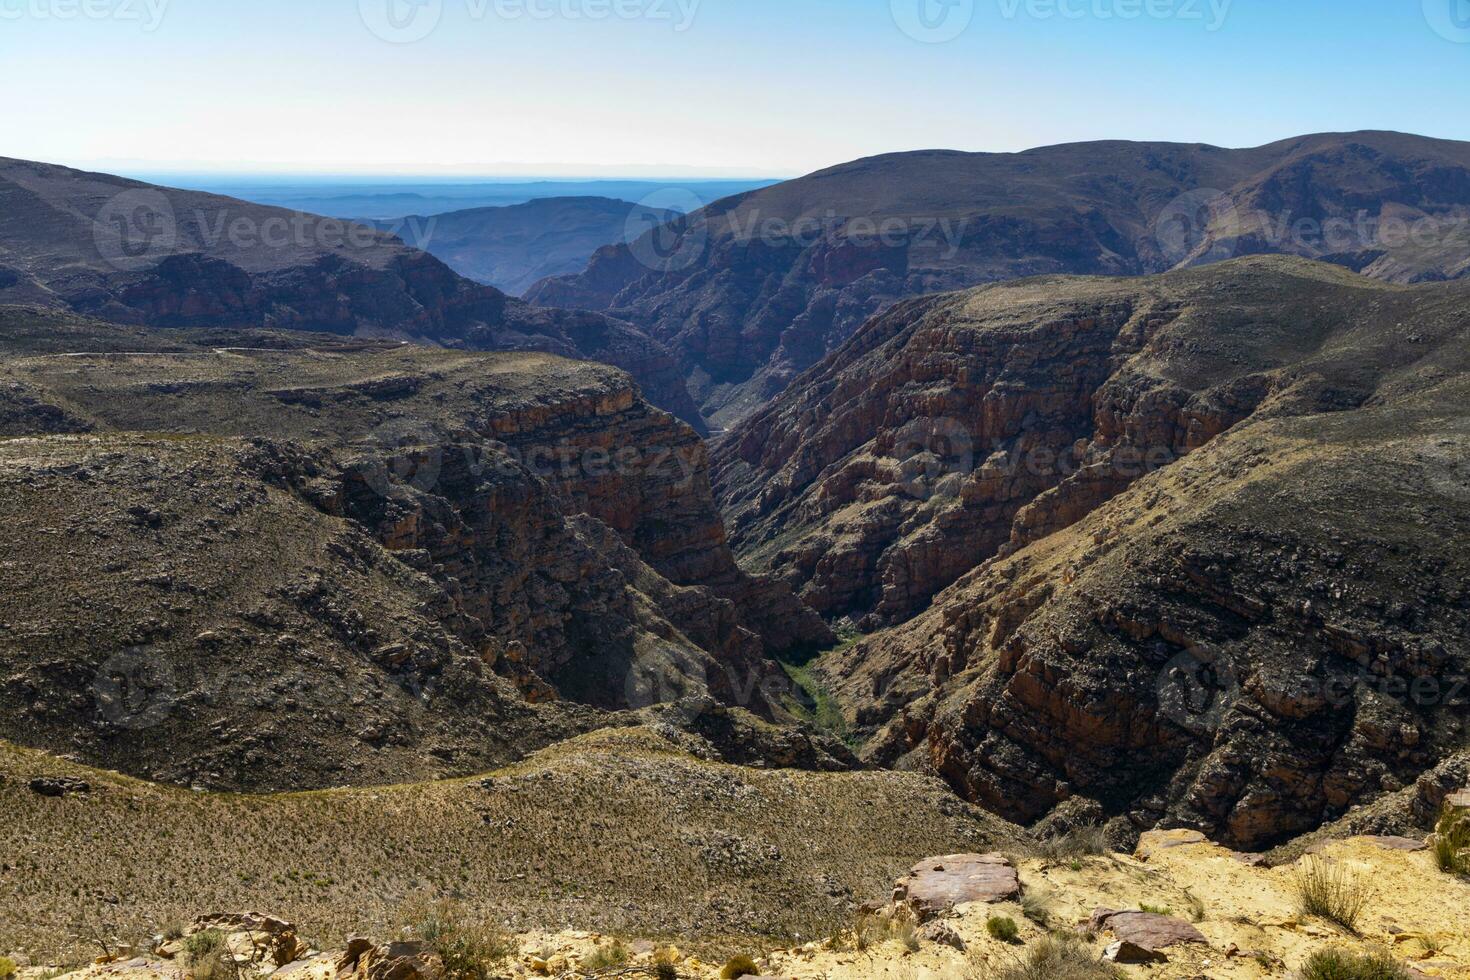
(747, 87)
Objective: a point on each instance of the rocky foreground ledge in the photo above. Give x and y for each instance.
(1179, 907)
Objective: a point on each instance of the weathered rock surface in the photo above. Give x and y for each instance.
(134, 253)
(754, 289)
(1147, 930)
(935, 886)
(1232, 640)
(428, 544)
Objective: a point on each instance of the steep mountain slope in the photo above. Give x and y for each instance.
(135, 253)
(383, 552)
(512, 248)
(1205, 530)
(754, 289)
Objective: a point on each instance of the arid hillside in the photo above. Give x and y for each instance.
(752, 290)
(233, 543)
(1179, 549)
(135, 253)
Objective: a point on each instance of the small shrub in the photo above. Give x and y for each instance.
(1196, 906)
(1451, 844)
(202, 945)
(1056, 958)
(8, 968)
(607, 957)
(739, 966)
(1154, 909)
(1335, 964)
(1034, 908)
(1331, 892)
(665, 971)
(1002, 928)
(469, 948)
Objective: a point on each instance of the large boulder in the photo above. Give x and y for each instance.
(935, 886)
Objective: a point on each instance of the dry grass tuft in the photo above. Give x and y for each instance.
(1055, 958)
(1332, 892)
(1335, 964)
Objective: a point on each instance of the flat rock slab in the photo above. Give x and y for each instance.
(1146, 929)
(937, 885)
(1398, 843)
(1460, 800)
(1155, 841)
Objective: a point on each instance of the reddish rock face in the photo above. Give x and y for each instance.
(1228, 638)
(937, 885)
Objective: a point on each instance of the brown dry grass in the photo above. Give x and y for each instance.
(616, 832)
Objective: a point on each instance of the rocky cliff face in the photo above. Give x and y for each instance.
(1199, 525)
(753, 290)
(471, 536)
(135, 253)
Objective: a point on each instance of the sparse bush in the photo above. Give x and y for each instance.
(201, 945)
(1196, 906)
(739, 966)
(1335, 964)
(8, 968)
(665, 971)
(1090, 841)
(469, 948)
(607, 957)
(1154, 909)
(1034, 908)
(1451, 844)
(1056, 958)
(1002, 928)
(209, 957)
(1331, 892)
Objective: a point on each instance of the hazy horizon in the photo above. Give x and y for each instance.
(697, 88)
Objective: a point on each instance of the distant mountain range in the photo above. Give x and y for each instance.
(137, 253)
(387, 199)
(754, 289)
(513, 248)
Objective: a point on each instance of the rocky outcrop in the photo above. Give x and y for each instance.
(753, 290)
(1230, 642)
(480, 549)
(935, 886)
(134, 253)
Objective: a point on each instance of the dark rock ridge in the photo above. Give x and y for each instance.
(134, 253)
(756, 288)
(399, 561)
(513, 248)
(1202, 531)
